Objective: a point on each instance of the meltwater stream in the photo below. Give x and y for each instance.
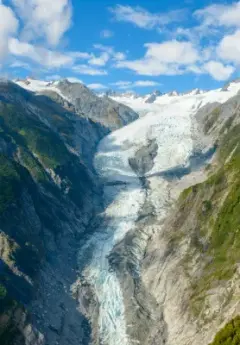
(124, 196)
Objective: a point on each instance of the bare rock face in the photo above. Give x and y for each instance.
(99, 109)
(152, 98)
(143, 160)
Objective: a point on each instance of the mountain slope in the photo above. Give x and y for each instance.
(102, 110)
(50, 198)
(123, 237)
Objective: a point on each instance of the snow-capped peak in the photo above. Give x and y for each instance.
(173, 93)
(194, 92)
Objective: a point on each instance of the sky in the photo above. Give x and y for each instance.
(123, 45)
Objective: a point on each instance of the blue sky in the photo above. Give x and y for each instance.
(124, 45)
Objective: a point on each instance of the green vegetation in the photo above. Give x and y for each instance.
(215, 206)
(33, 134)
(229, 334)
(3, 292)
(9, 334)
(227, 125)
(33, 166)
(212, 119)
(10, 182)
(185, 193)
(230, 145)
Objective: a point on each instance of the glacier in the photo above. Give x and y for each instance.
(171, 123)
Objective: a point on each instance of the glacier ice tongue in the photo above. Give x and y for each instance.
(170, 123)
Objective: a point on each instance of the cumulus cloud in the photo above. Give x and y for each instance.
(8, 28)
(165, 58)
(143, 18)
(45, 19)
(119, 56)
(100, 60)
(229, 48)
(218, 71)
(220, 15)
(172, 52)
(115, 55)
(43, 56)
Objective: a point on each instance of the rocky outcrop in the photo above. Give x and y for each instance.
(102, 110)
(152, 98)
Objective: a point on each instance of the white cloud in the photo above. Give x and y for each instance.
(172, 52)
(122, 84)
(217, 15)
(102, 47)
(107, 34)
(97, 86)
(74, 80)
(194, 69)
(144, 19)
(218, 71)
(44, 18)
(45, 57)
(145, 83)
(149, 67)
(88, 70)
(20, 64)
(167, 58)
(108, 53)
(119, 56)
(100, 60)
(229, 48)
(138, 83)
(8, 28)
(80, 55)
